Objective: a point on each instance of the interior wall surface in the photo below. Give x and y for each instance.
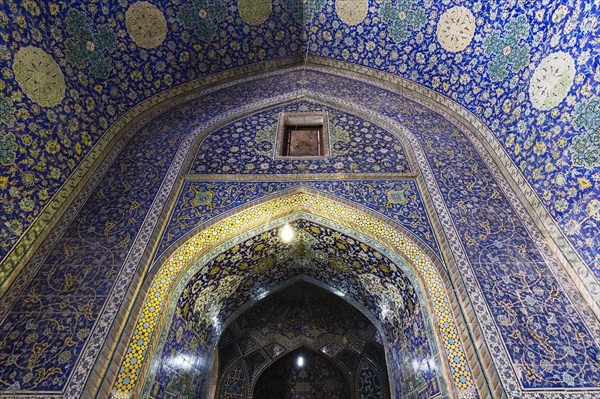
(259, 262)
(524, 299)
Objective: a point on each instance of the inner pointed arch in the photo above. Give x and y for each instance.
(206, 245)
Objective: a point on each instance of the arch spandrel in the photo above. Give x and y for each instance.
(240, 224)
(402, 214)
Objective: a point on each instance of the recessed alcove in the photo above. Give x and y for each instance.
(301, 341)
(330, 291)
(303, 373)
(303, 135)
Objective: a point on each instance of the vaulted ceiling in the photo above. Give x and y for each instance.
(528, 70)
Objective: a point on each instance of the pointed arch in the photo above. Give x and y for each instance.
(206, 243)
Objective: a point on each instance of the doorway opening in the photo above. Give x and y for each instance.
(301, 342)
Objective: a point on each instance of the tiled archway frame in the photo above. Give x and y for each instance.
(136, 254)
(501, 358)
(162, 286)
(135, 258)
(299, 212)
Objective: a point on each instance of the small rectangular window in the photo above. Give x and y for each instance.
(302, 135)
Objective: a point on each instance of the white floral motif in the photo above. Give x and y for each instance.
(552, 80)
(455, 29)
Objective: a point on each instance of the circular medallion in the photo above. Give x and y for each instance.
(254, 12)
(352, 12)
(39, 76)
(455, 29)
(146, 24)
(551, 80)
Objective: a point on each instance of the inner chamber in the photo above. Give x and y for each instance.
(301, 342)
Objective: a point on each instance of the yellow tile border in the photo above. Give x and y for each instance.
(202, 242)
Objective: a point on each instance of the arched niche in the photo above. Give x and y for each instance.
(319, 376)
(205, 246)
(258, 262)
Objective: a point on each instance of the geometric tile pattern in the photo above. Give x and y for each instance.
(301, 315)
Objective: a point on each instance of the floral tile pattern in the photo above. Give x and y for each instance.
(459, 191)
(97, 72)
(54, 112)
(248, 146)
(200, 202)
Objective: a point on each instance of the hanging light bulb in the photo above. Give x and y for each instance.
(286, 233)
(300, 361)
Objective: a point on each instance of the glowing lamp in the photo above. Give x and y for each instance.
(286, 233)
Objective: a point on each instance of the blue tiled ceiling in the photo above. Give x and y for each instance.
(529, 71)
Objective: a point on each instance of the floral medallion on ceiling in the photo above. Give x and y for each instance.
(39, 76)
(552, 80)
(402, 17)
(509, 51)
(585, 149)
(89, 45)
(352, 12)
(202, 17)
(254, 12)
(455, 29)
(146, 24)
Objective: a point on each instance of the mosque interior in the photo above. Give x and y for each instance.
(241, 199)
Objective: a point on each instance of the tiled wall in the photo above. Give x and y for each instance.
(181, 369)
(69, 298)
(254, 267)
